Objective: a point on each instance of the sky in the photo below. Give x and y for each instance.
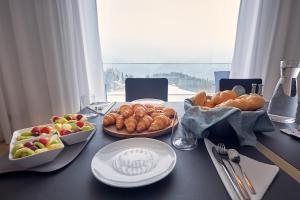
(167, 31)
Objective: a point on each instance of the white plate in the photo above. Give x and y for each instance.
(149, 101)
(133, 162)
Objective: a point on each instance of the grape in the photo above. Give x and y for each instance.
(28, 144)
(33, 148)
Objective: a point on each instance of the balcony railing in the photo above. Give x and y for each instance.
(184, 78)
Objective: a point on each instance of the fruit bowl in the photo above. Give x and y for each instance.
(35, 151)
(67, 117)
(32, 132)
(74, 132)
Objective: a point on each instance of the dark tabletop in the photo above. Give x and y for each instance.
(287, 147)
(194, 177)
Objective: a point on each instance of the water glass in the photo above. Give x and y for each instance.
(284, 102)
(86, 101)
(182, 139)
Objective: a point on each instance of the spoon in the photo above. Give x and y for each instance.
(234, 156)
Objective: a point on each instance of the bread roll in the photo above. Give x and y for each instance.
(245, 102)
(199, 99)
(209, 104)
(223, 96)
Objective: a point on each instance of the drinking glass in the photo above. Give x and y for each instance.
(86, 101)
(182, 139)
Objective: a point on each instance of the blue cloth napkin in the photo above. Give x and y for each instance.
(197, 121)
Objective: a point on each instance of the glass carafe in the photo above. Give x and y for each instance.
(284, 102)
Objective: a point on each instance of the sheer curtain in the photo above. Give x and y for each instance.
(267, 32)
(49, 56)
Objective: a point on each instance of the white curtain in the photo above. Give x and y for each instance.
(268, 31)
(49, 56)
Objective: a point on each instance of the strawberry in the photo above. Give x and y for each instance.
(45, 130)
(62, 132)
(44, 141)
(78, 117)
(35, 130)
(80, 124)
(67, 132)
(54, 118)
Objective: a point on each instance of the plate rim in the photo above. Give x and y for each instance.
(159, 101)
(140, 183)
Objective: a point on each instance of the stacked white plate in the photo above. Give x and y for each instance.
(133, 162)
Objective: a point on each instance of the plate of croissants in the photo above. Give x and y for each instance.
(139, 120)
(229, 98)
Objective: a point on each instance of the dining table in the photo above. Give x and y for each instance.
(194, 176)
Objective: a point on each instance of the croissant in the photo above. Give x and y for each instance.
(144, 123)
(109, 119)
(125, 110)
(158, 108)
(199, 99)
(169, 112)
(120, 121)
(156, 113)
(139, 110)
(149, 111)
(136, 105)
(130, 124)
(160, 122)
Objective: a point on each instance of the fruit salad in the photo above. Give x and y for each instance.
(36, 146)
(72, 127)
(35, 132)
(68, 117)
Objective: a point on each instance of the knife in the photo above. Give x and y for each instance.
(229, 176)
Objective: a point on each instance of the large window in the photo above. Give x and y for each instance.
(185, 41)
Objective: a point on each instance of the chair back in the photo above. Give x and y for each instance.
(140, 88)
(228, 84)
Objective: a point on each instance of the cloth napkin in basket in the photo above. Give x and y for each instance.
(259, 173)
(244, 123)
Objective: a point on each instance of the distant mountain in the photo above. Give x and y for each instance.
(187, 82)
(115, 78)
(202, 70)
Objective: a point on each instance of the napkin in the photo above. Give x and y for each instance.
(244, 123)
(261, 174)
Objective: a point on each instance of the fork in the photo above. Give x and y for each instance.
(221, 149)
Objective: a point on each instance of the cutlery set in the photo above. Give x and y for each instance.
(232, 157)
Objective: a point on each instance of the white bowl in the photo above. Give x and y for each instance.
(20, 131)
(77, 137)
(36, 159)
